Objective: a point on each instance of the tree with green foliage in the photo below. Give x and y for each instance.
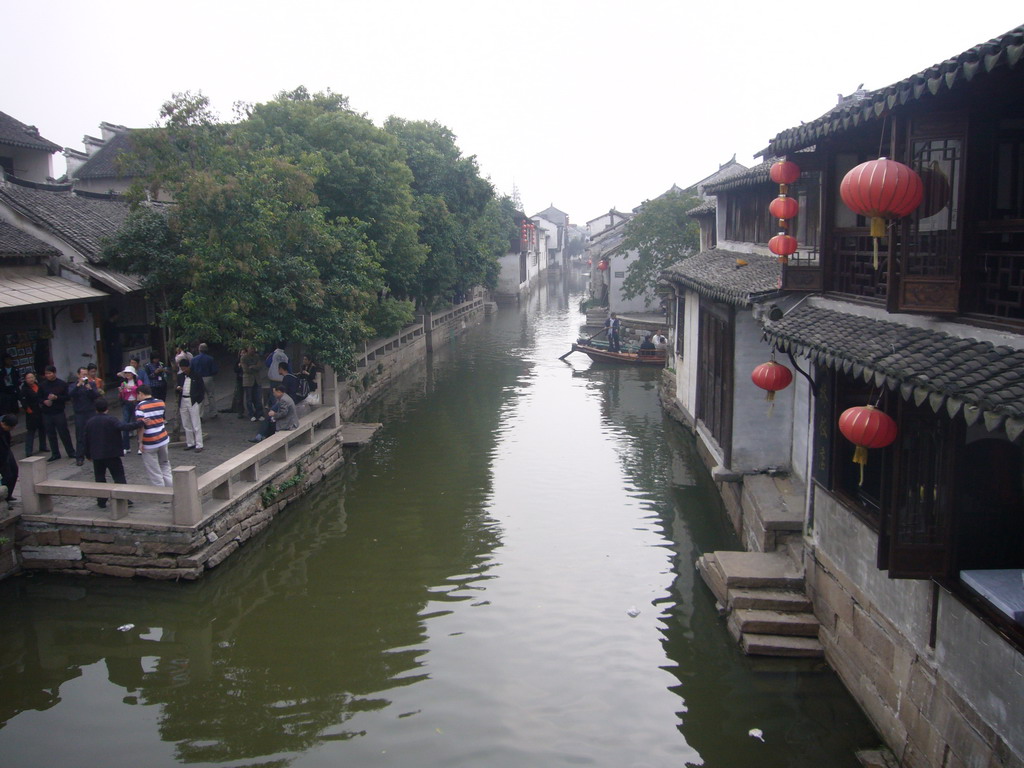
(661, 234)
(247, 255)
(454, 203)
(363, 174)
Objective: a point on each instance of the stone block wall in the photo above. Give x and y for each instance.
(959, 703)
(8, 555)
(173, 553)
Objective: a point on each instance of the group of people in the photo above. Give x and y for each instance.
(651, 343)
(267, 391)
(288, 391)
(100, 437)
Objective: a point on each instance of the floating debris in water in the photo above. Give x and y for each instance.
(632, 611)
(126, 628)
(757, 733)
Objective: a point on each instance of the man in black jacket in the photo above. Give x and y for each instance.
(53, 396)
(103, 446)
(83, 394)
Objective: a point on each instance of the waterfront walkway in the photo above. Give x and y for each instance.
(224, 438)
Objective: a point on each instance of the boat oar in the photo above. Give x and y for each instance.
(603, 330)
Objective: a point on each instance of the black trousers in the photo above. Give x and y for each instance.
(57, 424)
(34, 427)
(100, 467)
(9, 475)
(81, 419)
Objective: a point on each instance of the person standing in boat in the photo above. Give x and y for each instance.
(612, 327)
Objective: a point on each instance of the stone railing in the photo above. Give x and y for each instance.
(193, 498)
(382, 347)
(436, 320)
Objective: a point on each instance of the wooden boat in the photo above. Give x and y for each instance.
(600, 353)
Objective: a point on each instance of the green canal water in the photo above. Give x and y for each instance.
(462, 594)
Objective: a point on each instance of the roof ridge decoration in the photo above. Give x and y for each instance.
(758, 174)
(739, 279)
(1006, 50)
(975, 379)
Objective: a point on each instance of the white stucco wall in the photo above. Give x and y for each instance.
(686, 368)
(617, 272)
(508, 277)
(762, 433)
(29, 164)
(547, 237)
(73, 344)
(803, 419)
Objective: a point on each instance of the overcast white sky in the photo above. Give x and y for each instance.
(584, 105)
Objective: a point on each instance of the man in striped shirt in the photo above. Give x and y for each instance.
(153, 437)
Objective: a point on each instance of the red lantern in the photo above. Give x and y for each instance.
(602, 265)
(881, 189)
(773, 377)
(866, 427)
(783, 207)
(782, 245)
(784, 172)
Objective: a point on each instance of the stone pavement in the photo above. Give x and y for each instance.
(224, 437)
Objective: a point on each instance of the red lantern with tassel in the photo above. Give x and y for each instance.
(866, 427)
(881, 189)
(773, 377)
(782, 245)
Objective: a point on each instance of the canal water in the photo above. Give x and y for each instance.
(504, 579)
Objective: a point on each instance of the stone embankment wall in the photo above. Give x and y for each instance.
(173, 552)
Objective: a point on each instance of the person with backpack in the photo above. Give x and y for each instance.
(295, 387)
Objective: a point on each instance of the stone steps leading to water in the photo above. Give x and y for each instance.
(782, 645)
(761, 593)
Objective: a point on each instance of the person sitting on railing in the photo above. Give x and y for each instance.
(309, 371)
(281, 415)
(103, 446)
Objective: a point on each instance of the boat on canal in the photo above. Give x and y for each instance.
(599, 352)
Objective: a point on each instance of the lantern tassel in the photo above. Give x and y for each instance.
(860, 456)
(877, 232)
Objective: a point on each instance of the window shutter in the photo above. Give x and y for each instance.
(919, 523)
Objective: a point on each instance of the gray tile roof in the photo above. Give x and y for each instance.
(553, 215)
(731, 168)
(1003, 52)
(16, 133)
(707, 208)
(966, 376)
(748, 178)
(104, 162)
(15, 243)
(81, 222)
(721, 275)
